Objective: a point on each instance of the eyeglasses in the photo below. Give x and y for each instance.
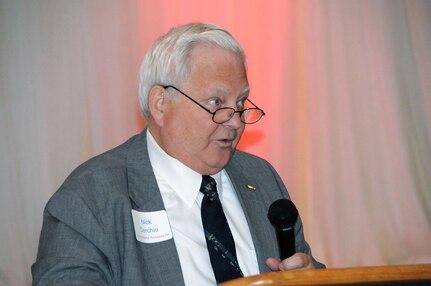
(224, 114)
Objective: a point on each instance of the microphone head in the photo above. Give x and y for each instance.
(283, 213)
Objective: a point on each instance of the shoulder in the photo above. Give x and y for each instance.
(97, 183)
(256, 170)
(109, 162)
(250, 162)
(244, 157)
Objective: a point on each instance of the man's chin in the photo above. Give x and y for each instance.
(220, 164)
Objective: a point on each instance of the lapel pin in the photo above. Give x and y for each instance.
(250, 187)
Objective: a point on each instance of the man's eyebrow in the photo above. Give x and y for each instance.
(221, 90)
(245, 91)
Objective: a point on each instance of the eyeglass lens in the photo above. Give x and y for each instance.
(248, 116)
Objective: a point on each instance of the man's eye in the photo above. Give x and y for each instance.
(215, 102)
(241, 103)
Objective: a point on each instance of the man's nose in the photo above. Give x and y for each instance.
(235, 121)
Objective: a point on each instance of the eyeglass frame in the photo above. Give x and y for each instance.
(213, 113)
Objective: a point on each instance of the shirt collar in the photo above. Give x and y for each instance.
(183, 180)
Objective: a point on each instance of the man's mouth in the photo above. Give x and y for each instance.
(226, 142)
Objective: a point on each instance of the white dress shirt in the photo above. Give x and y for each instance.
(179, 186)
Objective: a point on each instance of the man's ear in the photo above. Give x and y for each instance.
(156, 103)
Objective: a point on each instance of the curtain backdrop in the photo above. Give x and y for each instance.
(346, 86)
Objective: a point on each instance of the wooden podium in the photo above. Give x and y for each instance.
(419, 274)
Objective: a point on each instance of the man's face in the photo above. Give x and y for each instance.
(186, 132)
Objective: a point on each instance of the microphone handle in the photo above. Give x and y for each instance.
(286, 242)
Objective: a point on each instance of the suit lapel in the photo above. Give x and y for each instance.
(254, 204)
(160, 260)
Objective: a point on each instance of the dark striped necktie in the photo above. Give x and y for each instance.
(220, 243)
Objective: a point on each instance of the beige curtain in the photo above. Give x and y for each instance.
(346, 86)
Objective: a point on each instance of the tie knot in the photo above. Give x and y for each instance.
(208, 186)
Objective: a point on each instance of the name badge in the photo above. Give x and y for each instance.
(151, 227)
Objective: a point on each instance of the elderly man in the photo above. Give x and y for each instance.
(176, 204)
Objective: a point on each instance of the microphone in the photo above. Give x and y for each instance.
(283, 215)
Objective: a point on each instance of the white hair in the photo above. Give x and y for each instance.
(168, 60)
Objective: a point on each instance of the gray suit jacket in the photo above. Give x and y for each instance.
(88, 236)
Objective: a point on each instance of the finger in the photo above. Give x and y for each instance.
(297, 261)
(273, 263)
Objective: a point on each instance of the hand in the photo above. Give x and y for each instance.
(295, 262)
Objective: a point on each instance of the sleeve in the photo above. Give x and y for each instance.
(72, 246)
(302, 245)
(300, 242)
